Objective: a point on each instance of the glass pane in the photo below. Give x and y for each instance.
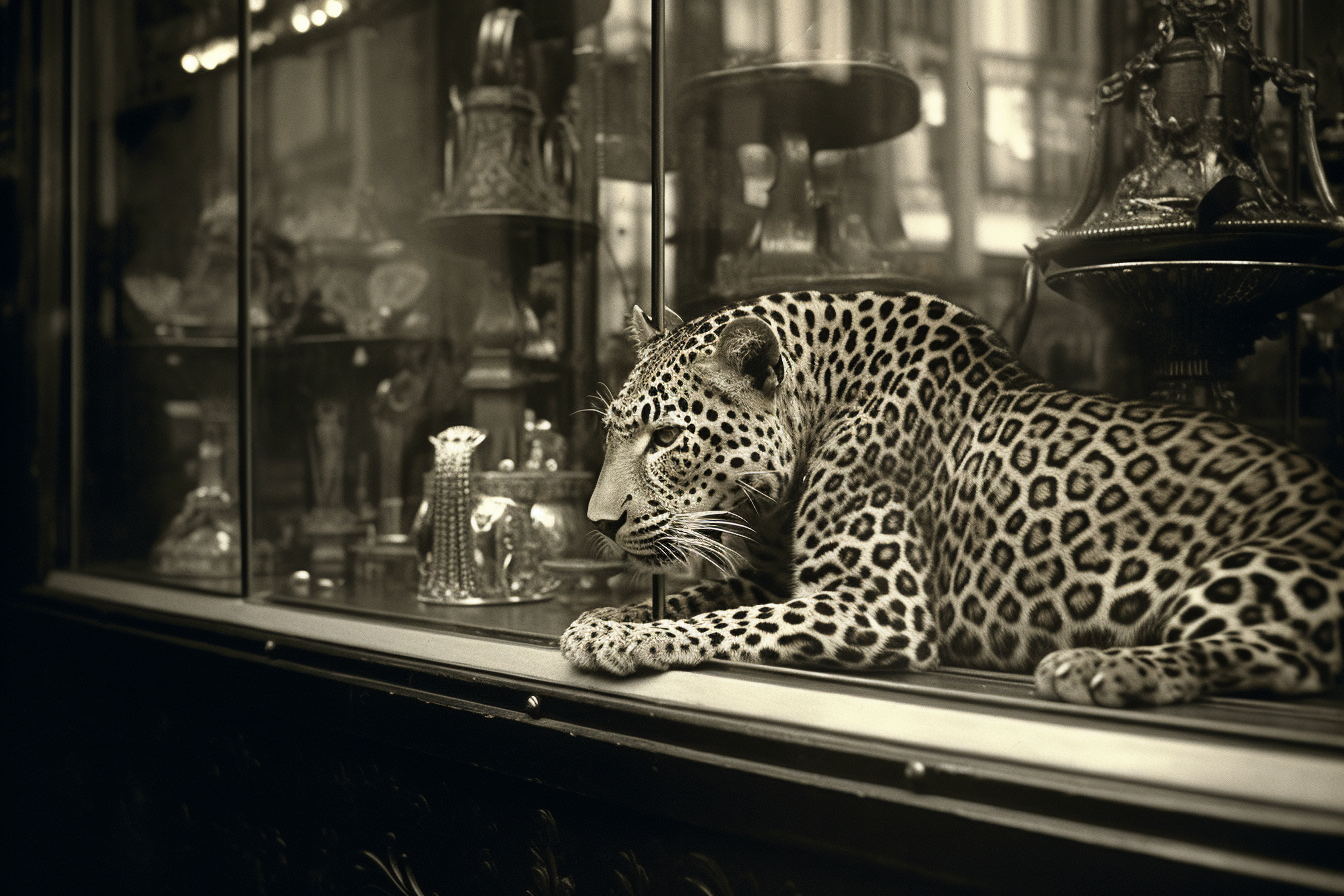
(429, 180)
(870, 144)
(785, 127)
(1264, 381)
(158, 485)
(452, 219)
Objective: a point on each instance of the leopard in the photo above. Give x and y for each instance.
(876, 482)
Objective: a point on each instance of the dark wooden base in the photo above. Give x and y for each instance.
(145, 756)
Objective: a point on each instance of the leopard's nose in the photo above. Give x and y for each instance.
(609, 528)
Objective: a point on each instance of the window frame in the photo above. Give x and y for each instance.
(1032, 763)
(1156, 785)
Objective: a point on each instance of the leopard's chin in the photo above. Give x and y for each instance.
(656, 563)
(661, 560)
(611, 549)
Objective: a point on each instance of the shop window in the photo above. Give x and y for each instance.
(421, 216)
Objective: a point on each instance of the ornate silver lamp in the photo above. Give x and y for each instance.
(1195, 251)
(508, 200)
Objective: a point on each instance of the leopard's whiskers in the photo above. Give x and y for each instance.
(725, 522)
(692, 531)
(600, 403)
(707, 550)
(750, 490)
(685, 536)
(603, 398)
(603, 546)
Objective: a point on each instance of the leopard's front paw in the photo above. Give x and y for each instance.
(622, 648)
(632, 613)
(1116, 677)
(596, 645)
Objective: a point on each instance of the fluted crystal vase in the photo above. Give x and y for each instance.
(448, 573)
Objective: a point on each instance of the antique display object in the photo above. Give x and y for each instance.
(202, 542)
(539, 517)
(448, 565)
(202, 545)
(808, 236)
(475, 548)
(389, 560)
(1196, 251)
(398, 406)
(329, 524)
(509, 201)
(492, 536)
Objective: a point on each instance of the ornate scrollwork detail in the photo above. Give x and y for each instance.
(707, 877)
(704, 876)
(547, 879)
(396, 868)
(630, 877)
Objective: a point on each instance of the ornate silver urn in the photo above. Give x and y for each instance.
(1194, 252)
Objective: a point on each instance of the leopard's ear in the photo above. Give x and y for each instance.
(641, 325)
(747, 352)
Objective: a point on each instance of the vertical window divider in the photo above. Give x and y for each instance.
(244, 278)
(78, 293)
(657, 185)
(1292, 422)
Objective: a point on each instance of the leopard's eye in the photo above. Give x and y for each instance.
(664, 436)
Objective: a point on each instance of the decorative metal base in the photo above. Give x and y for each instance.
(459, 598)
(1193, 319)
(1276, 240)
(1194, 383)
(1185, 310)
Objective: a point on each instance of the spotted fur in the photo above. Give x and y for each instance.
(883, 485)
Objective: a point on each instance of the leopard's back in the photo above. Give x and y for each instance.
(1086, 522)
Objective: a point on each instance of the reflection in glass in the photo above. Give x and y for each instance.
(203, 542)
(159, 430)
(449, 223)
(427, 178)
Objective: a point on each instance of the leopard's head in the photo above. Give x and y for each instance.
(696, 445)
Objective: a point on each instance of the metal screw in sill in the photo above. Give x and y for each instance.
(534, 706)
